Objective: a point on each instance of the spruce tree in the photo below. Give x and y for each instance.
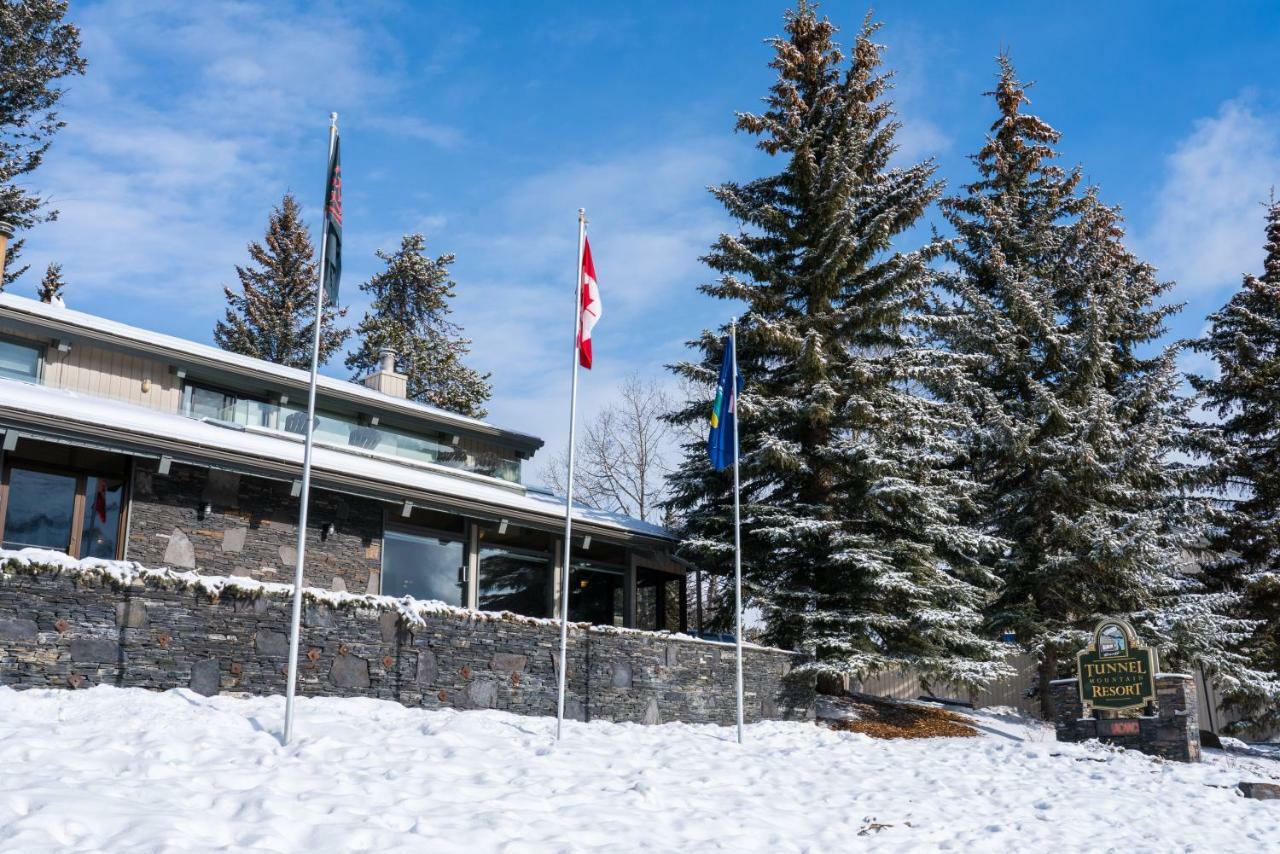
(37, 49)
(272, 317)
(1240, 455)
(1060, 323)
(410, 315)
(853, 548)
(51, 286)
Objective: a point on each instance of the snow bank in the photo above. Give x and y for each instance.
(130, 770)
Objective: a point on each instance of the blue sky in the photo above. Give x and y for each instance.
(486, 125)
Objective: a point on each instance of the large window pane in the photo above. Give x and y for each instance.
(659, 601)
(515, 581)
(596, 595)
(103, 499)
(19, 361)
(39, 509)
(422, 566)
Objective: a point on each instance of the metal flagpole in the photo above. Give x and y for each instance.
(295, 626)
(566, 558)
(737, 520)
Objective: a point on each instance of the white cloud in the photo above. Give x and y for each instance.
(191, 123)
(651, 219)
(1207, 228)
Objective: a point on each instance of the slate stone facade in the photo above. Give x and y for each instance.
(1173, 732)
(251, 528)
(61, 630)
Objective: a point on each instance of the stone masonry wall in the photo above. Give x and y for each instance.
(1173, 732)
(251, 528)
(62, 629)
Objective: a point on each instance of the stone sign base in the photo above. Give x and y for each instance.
(1173, 732)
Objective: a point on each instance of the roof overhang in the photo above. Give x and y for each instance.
(66, 417)
(36, 318)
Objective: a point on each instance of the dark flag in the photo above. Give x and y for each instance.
(724, 410)
(331, 268)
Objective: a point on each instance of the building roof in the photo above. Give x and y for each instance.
(56, 321)
(58, 413)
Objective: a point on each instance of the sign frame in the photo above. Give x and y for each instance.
(1115, 663)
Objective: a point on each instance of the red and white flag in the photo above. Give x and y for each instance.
(589, 309)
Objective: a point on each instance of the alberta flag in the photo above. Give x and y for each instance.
(720, 441)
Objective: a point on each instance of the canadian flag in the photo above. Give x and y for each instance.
(589, 308)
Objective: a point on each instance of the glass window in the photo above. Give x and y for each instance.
(596, 594)
(39, 509)
(423, 566)
(659, 601)
(19, 361)
(205, 402)
(517, 581)
(101, 531)
(347, 430)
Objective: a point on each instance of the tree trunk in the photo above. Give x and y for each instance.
(1048, 673)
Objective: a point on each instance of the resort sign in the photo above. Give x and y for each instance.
(1115, 672)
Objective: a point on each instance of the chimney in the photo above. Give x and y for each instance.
(386, 379)
(6, 234)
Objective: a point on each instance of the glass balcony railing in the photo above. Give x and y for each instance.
(438, 448)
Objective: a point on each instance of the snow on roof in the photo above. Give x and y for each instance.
(34, 311)
(92, 412)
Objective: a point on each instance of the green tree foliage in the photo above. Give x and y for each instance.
(853, 545)
(272, 316)
(52, 284)
(37, 50)
(1240, 452)
(1059, 323)
(410, 315)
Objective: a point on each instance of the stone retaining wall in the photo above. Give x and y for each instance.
(66, 629)
(1173, 732)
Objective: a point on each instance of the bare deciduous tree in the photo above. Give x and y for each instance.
(621, 462)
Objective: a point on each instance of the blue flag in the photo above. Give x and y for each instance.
(724, 411)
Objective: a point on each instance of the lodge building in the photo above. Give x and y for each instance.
(123, 443)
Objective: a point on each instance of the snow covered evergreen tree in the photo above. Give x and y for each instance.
(853, 546)
(1241, 456)
(37, 49)
(1060, 323)
(272, 317)
(410, 315)
(51, 286)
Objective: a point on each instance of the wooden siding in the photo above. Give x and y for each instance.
(114, 375)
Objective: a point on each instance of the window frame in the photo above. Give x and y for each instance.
(420, 532)
(42, 356)
(189, 386)
(549, 556)
(79, 502)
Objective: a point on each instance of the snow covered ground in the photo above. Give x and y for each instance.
(126, 770)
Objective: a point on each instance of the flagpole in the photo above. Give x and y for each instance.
(295, 624)
(737, 521)
(567, 557)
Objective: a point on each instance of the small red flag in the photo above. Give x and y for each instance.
(589, 308)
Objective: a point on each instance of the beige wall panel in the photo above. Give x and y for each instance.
(117, 376)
